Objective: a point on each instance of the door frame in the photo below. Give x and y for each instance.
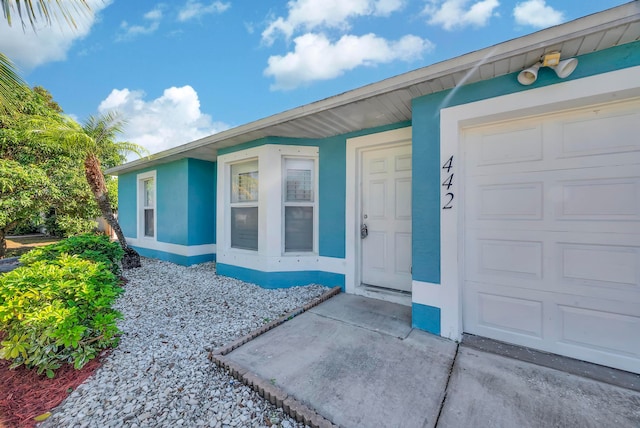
(353, 247)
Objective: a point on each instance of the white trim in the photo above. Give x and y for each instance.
(285, 263)
(181, 250)
(427, 293)
(352, 211)
(140, 178)
(607, 87)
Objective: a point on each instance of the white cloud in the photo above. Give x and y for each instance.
(536, 13)
(451, 14)
(194, 9)
(312, 14)
(153, 18)
(29, 49)
(387, 7)
(316, 58)
(153, 15)
(167, 121)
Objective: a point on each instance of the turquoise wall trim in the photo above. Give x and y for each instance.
(202, 202)
(425, 318)
(332, 179)
(127, 204)
(172, 182)
(332, 197)
(281, 279)
(175, 258)
(426, 144)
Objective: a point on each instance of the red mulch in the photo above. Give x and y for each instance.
(24, 394)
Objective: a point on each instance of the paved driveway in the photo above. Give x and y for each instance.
(358, 363)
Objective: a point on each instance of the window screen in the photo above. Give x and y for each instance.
(299, 204)
(299, 185)
(148, 208)
(244, 182)
(149, 227)
(244, 228)
(298, 229)
(244, 205)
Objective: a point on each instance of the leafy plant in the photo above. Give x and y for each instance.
(57, 311)
(97, 248)
(24, 189)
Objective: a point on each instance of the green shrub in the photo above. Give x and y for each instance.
(71, 225)
(57, 312)
(97, 248)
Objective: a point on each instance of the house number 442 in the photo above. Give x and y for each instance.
(447, 183)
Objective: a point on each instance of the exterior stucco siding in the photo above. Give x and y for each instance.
(202, 202)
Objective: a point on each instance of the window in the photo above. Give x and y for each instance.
(267, 199)
(244, 205)
(299, 204)
(147, 205)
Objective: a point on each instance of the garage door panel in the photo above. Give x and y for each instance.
(597, 134)
(510, 146)
(510, 314)
(585, 328)
(518, 259)
(608, 332)
(521, 201)
(552, 236)
(600, 264)
(600, 199)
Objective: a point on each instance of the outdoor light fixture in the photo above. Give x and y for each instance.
(552, 60)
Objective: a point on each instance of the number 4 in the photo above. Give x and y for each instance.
(448, 164)
(448, 182)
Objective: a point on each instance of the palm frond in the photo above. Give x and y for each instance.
(62, 131)
(105, 128)
(45, 9)
(125, 147)
(11, 86)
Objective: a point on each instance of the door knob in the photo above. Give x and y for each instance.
(364, 232)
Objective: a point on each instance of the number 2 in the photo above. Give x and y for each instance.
(448, 205)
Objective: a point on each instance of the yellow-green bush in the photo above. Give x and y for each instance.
(57, 311)
(97, 248)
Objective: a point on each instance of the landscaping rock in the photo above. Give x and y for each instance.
(173, 316)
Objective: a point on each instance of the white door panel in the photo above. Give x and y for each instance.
(552, 233)
(386, 212)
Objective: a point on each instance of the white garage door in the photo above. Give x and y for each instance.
(552, 233)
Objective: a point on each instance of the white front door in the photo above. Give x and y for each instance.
(385, 217)
(552, 233)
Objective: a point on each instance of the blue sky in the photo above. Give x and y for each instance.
(183, 69)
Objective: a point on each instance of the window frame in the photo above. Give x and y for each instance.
(313, 203)
(255, 203)
(142, 206)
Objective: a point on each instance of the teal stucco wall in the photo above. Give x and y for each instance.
(202, 202)
(172, 202)
(331, 182)
(185, 204)
(127, 204)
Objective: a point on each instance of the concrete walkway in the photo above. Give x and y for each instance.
(357, 362)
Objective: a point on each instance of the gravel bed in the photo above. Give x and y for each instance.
(160, 374)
